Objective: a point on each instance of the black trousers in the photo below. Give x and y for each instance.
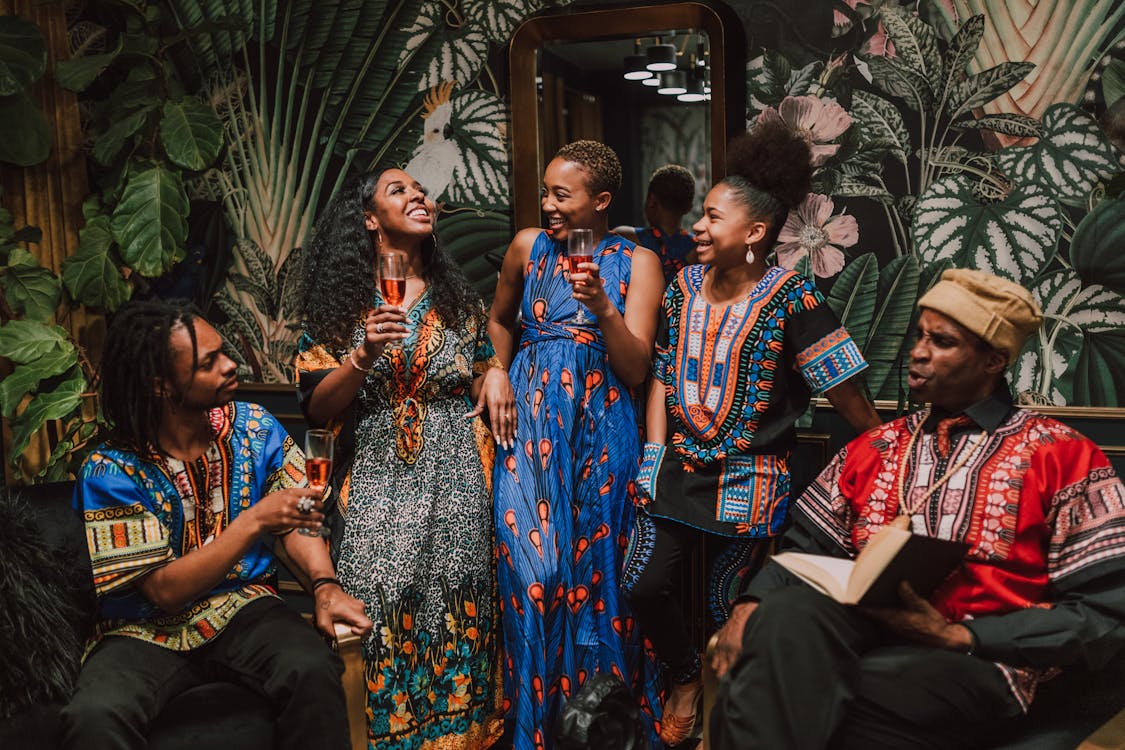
(816, 674)
(657, 600)
(126, 682)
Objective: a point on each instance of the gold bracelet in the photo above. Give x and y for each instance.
(357, 368)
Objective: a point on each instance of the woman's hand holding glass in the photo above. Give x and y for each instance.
(385, 324)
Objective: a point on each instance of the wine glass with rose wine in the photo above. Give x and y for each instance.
(320, 447)
(580, 249)
(392, 278)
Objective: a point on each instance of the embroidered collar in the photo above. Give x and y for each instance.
(987, 414)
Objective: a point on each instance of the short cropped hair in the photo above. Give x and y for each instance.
(600, 163)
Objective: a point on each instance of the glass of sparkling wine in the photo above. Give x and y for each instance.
(320, 447)
(392, 278)
(580, 249)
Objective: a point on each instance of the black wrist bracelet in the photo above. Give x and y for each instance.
(317, 583)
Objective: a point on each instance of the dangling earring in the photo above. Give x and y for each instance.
(749, 254)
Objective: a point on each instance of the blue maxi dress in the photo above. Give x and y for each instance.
(564, 500)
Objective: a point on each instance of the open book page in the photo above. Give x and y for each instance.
(891, 556)
(873, 559)
(829, 575)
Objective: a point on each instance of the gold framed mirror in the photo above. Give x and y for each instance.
(552, 55)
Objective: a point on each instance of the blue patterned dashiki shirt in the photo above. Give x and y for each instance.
(143, 512)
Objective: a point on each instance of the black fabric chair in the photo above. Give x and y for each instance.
(219, 714)
(1067, 711)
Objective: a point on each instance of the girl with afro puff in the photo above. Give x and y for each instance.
(747, 344)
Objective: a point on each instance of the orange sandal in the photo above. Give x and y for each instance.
(676, 729)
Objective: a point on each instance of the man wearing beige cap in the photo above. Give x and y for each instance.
(1042, 585)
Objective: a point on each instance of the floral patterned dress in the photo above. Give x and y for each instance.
(416, 538)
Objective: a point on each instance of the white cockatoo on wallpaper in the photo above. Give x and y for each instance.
(438, 155)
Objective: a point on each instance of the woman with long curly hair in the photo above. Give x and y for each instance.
(563, 487)
(747, 345)
(411, 504)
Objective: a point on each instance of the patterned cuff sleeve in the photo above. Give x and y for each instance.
(125, 543)
(830, 361)
(650, 463)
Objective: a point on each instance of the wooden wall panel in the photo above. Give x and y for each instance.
(50, 195)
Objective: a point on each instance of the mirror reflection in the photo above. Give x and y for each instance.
(647, 96)
(582, 74)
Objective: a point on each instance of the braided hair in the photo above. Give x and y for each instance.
(338, 269)
(769, 169)
(137, 353)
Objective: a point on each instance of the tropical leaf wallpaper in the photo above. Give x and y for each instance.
(963, 132)
(971, 132)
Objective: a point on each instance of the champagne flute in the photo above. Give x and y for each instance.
(580, 249)
(392, 281)
(320, 448)
(392, 278)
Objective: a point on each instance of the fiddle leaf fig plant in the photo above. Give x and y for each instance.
(25, 137)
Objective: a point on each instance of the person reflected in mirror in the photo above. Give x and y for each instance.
(671, 193)
(405, 384)
(746, 345)
(564, 477)
(183, 506)
(1039, 505)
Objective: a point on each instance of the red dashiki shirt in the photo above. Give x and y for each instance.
(1039, 504)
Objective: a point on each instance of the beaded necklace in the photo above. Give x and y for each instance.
(902, 520)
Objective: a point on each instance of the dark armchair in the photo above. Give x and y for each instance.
(218, 714)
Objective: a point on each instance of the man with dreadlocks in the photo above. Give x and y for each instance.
(182, 505)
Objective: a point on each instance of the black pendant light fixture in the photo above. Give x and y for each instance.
(661, 57)
(635, 64)
(672, 83)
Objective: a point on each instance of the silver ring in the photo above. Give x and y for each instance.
(304, 504)
(379, 327)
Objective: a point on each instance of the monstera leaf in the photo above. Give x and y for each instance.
(499, 18)
(1097, 250)
(1014, 237)
(29, 289)
(1069, 159)
(480, 177)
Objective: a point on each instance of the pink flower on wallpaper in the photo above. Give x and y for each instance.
(816, 120)
(880, 44)
(812, 230)
(842, 24)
